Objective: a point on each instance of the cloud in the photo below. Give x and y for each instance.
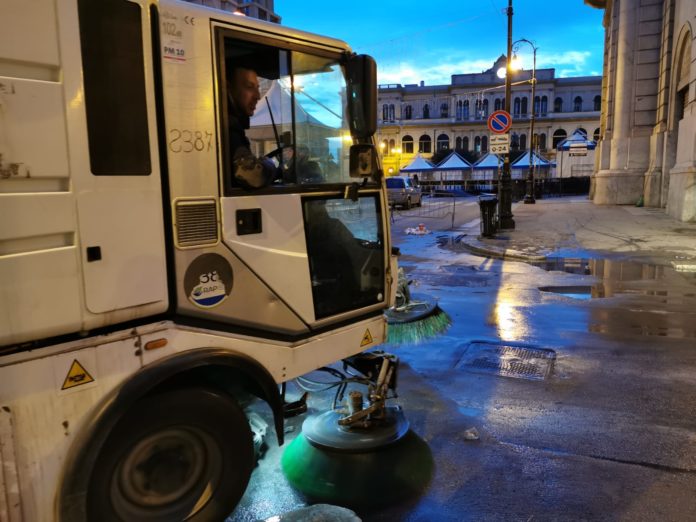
(440, 74)
(568, 63)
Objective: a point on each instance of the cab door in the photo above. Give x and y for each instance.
(118, 186)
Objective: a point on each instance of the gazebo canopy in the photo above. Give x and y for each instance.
(523, 161)
(489, 161)
(577, 140)
(453, 162)
(418, 164)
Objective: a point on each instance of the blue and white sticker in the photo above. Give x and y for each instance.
(208, 280)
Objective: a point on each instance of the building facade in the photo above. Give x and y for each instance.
(261, 9)
(648, 121)
(425, 119)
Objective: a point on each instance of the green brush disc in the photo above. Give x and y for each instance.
(419, 320)
(359, 478)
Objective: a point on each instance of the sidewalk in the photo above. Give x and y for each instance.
(571, 226)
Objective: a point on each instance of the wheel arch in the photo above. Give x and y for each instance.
(205, 366)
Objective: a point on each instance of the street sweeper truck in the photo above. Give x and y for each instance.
(191, 214)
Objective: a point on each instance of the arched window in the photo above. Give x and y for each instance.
(484, 144)
(477, 144)
(465, 108)
(408, 112)
(523, 109)
(392, 145)
(537, 103)
(385, 112)
(391, 112)
(577, 104)
(442, 142)
(426, 111)
(516, 106)
(558, 136)
(459, 109)
(465, 144)
(598, 103)
(558, 105)
(479, 109)
(523, 141)
(544, 105)
(458, 143)
(595, 136)
(444, 110)
(485, 108)
(384, 147)
(407, 144)
(425, 144)
(541, 143)
(498, 104)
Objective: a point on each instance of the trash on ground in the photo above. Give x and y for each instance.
(420, 230)
(471, 434)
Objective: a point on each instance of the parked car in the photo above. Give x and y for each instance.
(403, 191)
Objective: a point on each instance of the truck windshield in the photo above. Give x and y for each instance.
(295, 125)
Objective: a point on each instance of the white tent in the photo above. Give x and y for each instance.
(277, 102)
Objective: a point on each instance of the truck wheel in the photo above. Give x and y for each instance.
(180, 455)
(408, 204)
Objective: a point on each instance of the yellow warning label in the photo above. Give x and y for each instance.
(77, 375)
(367, 339)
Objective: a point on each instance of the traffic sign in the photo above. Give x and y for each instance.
(499, 122)
(500, 143)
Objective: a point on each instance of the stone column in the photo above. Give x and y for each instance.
(628, 141)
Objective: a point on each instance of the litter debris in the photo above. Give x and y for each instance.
(420, 230)
(471, 434)
(317, 513)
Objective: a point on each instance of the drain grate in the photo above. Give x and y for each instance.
(521, 362)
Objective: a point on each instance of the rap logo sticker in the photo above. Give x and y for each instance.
(208, 280)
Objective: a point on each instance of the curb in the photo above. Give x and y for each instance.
(501, 253)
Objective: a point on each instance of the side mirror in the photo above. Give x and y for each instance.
(361, 72)
(363, 161)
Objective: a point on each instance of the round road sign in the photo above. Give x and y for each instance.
(499, 122)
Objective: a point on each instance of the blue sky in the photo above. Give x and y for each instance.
(430, 40)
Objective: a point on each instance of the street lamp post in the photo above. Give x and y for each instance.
(505, 188)
(529, 196)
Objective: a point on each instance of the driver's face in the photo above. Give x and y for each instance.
(245, 90)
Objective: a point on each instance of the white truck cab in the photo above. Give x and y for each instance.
(146, 293)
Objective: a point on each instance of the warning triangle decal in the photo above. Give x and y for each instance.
(77, 375)
(367, 339)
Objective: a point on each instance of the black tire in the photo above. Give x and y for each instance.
(179, 455)
(408, 204)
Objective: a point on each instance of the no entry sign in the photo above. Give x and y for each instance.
(499, 122)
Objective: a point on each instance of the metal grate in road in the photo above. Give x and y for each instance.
(520, 362)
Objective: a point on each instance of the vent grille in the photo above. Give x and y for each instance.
(196, 223)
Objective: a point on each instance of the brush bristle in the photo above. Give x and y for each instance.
(415, 332)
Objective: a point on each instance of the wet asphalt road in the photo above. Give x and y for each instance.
(604, 428)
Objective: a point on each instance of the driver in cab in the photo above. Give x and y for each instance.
(242, 96)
